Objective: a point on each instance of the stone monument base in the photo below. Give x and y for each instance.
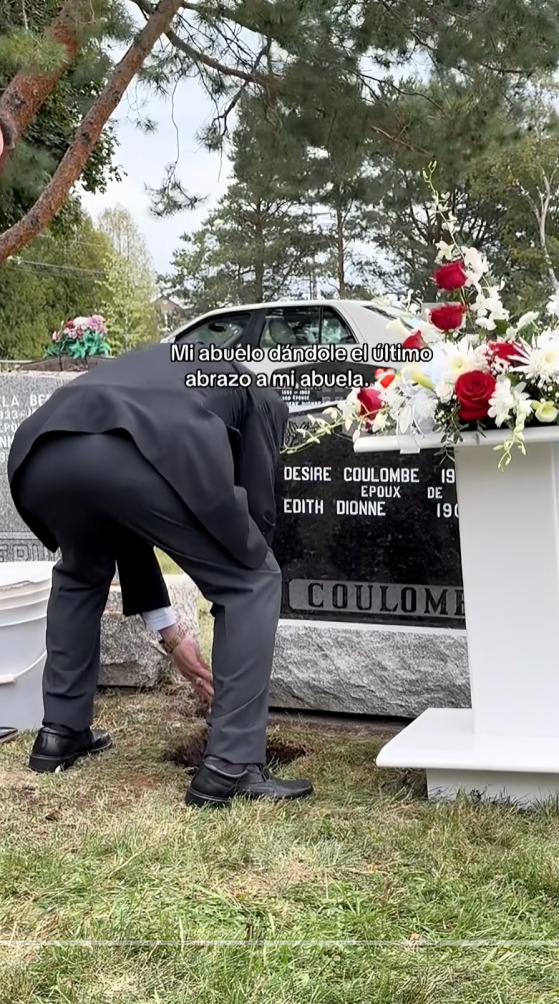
(130, 654)
(369, 669)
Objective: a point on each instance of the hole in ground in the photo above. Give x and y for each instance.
(191, 753)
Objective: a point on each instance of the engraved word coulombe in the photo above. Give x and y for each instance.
(330, 595)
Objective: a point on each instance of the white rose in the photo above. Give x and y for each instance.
(444, 391)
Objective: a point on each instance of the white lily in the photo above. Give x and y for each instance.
(475, 264)
(553, 304)
(446, 251)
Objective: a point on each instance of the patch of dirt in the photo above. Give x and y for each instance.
(184, 698)
(190, 754)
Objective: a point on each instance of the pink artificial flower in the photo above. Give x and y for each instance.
(97, 323)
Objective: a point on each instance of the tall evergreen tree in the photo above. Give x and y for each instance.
(261, 242)
(251, 248)
(315, 57)
(493, 168)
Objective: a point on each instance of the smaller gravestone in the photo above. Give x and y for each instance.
(322, 383)
(129, 655)
(20, 395)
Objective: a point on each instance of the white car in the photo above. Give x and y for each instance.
(328, 337)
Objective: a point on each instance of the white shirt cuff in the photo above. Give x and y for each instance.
(155, 620)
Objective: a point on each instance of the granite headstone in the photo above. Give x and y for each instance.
(129, 657)
(373, 617)
(20, 395)
(322, 383)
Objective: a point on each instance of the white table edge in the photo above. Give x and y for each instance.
(415, 443)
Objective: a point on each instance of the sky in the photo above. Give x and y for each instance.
(142, 158)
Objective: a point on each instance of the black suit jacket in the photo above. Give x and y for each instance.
(217, 447)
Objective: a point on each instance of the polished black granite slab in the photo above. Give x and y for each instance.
(369, 538)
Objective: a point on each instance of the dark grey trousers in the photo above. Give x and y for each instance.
(106, 505)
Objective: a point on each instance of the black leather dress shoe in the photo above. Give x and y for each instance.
(7, 734)
(213, 787)
(56, 746)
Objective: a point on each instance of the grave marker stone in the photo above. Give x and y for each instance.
(373, 617)
(129, 655)
(20, 395)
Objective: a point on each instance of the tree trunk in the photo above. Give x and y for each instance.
(27, 92)
(88, 133)
(313, 284)
(340, 254)
(259, 256)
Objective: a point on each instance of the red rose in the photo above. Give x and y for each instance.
(473, 391)
(451, 276)
(385, 377)
(448, 316)
(505, 350)
(414, 341)
(370, 400)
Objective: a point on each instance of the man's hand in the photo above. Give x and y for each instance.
(190, 664)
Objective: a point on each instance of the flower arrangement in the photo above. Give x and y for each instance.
(80, 338)
(471, 368)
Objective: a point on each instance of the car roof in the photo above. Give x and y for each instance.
(239, 308)
(380, 304)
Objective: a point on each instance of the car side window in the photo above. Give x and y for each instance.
(291, 326)
(218, 330)
(304, 326)
(334, 330)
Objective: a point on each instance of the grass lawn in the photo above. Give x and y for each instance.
(109, 853)
(168, 567)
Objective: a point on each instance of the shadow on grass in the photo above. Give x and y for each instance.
(190, 754)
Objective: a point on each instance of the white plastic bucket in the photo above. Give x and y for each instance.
(21, 697)
(24, 594)
(14, 602)
(22, 636)
(18, 578)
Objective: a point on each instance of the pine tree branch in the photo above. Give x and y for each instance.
(27, 92)
(87, 135)
(270, 82)
(222, 117)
